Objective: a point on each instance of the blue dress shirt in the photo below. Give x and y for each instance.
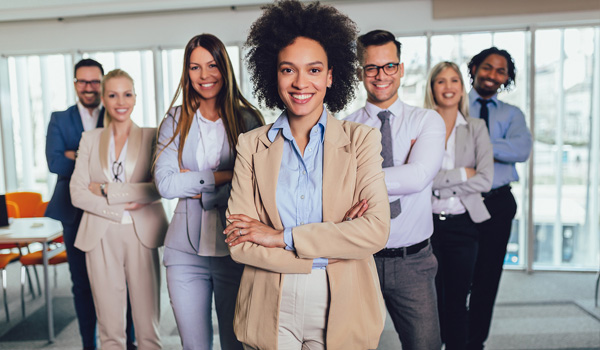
(299, 192)
(509, 134)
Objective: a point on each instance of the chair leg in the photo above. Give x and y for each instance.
(4, 292)
(23, 269)
(55, 278)
(31, 290)
(37, 277)
(27, 270)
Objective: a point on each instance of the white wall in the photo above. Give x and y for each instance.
(173, 29)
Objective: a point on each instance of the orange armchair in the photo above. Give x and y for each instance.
(28, 202)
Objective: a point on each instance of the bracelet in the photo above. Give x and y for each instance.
(102, 187)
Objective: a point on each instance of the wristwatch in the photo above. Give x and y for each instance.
(102, 189)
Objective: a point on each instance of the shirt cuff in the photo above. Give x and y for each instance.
(463, 174)
(288, 239)
(320, 263)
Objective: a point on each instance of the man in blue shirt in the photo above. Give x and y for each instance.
(491, 71)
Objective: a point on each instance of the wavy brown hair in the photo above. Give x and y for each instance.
(230, 101)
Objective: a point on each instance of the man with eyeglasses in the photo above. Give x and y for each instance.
(412, 150)
(62, 142)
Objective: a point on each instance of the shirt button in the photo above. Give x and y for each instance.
(302, 197)
(201, 182)
(303, 172)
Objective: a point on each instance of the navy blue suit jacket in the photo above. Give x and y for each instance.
(64, 134)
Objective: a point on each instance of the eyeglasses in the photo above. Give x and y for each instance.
(83, 83)
(372, 70)
(117, 170)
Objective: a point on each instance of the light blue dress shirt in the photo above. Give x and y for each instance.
(299, 192)
(509, 134)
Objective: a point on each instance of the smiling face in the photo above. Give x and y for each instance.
(303, 78)
(382, 89)
(87, 86)
(490, 75)
(205, 76)
(118, 99)
(447, 88)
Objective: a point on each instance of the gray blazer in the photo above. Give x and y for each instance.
(473, 150)
(183, 233)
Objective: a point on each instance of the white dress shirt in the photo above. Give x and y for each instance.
(89, 120)
(211, 136)
(415, 166)
(117, 169)
(451, 205)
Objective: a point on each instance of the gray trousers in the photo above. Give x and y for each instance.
(408, 287)
(191, 280)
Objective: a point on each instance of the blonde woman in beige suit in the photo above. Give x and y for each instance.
(467, 171)
(124, 221)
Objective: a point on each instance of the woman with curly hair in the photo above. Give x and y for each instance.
(310, 280)
(196, 144)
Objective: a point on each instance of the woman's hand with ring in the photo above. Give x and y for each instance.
(245, 229)
(357, 210)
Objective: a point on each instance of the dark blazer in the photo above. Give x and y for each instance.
(64, 134)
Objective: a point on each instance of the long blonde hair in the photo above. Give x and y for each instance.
(115, 73)
(430, 103)
(229, 100)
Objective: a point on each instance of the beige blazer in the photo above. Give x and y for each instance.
(473, 150)
(150, 222)
(351, 172)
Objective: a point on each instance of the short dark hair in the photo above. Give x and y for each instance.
(376, 37)
(480, 57)
(280, 24)
(87, 62)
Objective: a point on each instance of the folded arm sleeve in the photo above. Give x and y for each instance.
(361, 237)
(242, 201)
(81, 196)
(424, 160)
(484, 168)
(58, 163)
(515, 146)
(170, 181)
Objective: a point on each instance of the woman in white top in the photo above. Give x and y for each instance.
(124, 222)
(195, 156)
(467, 171)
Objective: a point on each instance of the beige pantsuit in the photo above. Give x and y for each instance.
(121, 256)
(351, 172)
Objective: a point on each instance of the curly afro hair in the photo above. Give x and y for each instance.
(278, 27)
(480, 57)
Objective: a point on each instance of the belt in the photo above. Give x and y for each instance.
(403, 251)
(444, 216)
(496, 191)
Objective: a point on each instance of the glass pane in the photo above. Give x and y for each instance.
(562, 192)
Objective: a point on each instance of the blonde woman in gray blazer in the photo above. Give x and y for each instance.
(124, 222)
(467, 171)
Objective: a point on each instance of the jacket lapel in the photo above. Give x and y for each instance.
(266, 166)
(188, 158)
(335, 164)
(76, 120)
(134, 146)
(460, 147)
(104, 150)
